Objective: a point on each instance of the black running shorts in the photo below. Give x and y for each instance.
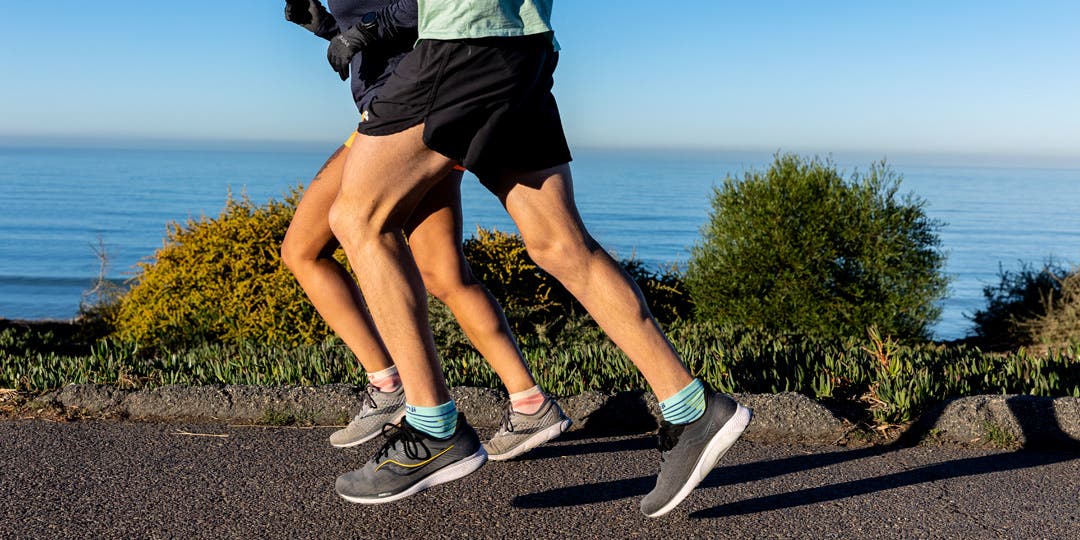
(485, 103)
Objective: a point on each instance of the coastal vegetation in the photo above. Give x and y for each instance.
(804, 281)
(1030, 307)
(800, 249)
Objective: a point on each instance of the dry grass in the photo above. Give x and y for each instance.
(1059, 327)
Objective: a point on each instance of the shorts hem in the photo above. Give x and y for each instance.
(397, 127)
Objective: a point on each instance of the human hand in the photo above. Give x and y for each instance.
(309, 14)
(346, 44)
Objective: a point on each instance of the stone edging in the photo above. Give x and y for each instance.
(787, 417)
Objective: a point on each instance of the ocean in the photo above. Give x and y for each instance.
(61, 205)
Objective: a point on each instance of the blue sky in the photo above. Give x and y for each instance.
(917, 76)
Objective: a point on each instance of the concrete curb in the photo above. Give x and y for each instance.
(1011, 421)
(787, 417)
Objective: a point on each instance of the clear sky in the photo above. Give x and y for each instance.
(915, 76)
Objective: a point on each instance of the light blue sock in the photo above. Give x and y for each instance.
(686, 405)
(439, 422)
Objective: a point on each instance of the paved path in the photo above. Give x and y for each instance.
(96, 479)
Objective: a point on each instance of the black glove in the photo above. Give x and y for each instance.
(311, 15)
(346, 44)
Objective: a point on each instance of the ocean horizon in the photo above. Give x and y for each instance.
(999, 212)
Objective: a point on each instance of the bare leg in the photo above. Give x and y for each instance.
(435, 240)
(542, 205)
(383, 181)
(308, 253)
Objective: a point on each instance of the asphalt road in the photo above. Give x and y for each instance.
(98, 479)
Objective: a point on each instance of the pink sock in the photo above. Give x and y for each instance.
(386, 380)
(528, 401)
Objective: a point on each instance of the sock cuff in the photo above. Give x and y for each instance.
(382, 373)
(527, 393)
(439, 421)
(686, 405)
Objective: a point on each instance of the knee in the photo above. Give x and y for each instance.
(444, 281)
(562, 258)
(346, 223)
(294, 255)
(289, 255)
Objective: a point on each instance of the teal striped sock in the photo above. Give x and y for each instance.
(686, 405)
(439, 422)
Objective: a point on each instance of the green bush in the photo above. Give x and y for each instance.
(799, 249)
(221, 279)
(536, 303)
(664, 289)
(528, 295)
(1030, 307)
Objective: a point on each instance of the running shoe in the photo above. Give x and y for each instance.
(523, 432)
(377, 408)
(410, 461)
(689, 451)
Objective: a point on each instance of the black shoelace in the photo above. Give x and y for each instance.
(411, 441)
(668, 437)
(368, 400)
(506, 423)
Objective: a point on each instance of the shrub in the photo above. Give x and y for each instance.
(536, 303)
(1060, 327)
(665, 290)
(1030, 307)
(221, 279)
(797, 249)
(528, 295)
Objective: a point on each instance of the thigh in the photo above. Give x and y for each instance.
(542, 205)
(309, 231)
(385, 177)
(435, 226)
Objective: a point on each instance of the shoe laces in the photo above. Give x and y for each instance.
(668, 437)
(507, 423)
(368, 401)
(411, 442)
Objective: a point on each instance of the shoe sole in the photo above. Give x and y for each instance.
(538, 438)
(716, 448)
(366, 438)
(460, 469)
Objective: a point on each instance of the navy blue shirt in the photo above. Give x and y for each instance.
(397, 34)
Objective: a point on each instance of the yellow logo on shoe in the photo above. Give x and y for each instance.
(414, 465)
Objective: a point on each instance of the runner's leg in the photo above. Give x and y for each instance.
(384, 179)
(542, 205)
(434, 232)
(307, 252)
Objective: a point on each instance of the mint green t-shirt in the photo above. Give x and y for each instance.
(463, 19)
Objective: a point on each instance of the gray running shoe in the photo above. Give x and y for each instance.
(410, 461)
(523, 432)
(377, 408)
(688, 452)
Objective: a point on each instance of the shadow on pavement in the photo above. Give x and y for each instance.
(587, 494)
(1045, 442)
(592, 446)
(951, 469)
(737, 474)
